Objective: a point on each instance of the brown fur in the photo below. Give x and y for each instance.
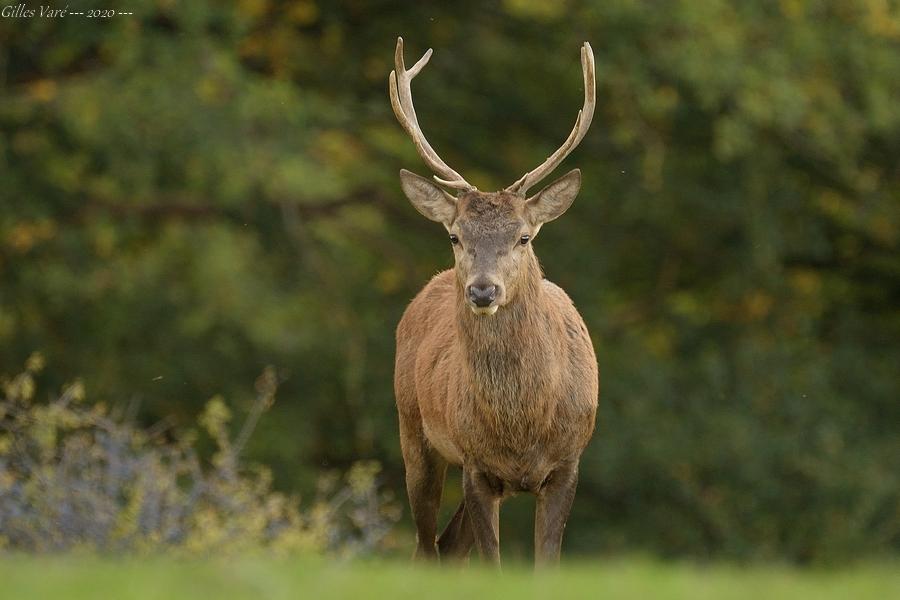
(510, 397)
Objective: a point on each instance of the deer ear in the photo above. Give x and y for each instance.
(555, 199)
(429, 199)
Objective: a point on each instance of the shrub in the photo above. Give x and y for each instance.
(74, 475)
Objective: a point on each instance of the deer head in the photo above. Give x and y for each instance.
(491, 232)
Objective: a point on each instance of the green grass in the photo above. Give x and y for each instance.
(79, 577)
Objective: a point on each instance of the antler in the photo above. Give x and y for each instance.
(401, 101)
(582, 122)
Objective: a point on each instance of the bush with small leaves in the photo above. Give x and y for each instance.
(74, 476)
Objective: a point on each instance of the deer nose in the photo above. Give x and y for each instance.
(482, 295)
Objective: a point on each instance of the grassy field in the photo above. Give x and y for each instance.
(77, 578)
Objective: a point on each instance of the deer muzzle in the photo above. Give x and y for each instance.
(482, 297)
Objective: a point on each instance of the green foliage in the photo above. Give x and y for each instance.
(75, 477)
(191, 193)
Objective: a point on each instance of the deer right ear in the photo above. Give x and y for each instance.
(429, 199)
(554, 199)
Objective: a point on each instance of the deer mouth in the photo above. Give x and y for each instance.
(485, 310)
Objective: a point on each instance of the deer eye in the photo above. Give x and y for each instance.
(524, 239)
(454, 239)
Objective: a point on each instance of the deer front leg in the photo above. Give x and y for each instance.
(481, 494)
(554, 501)
(425, 471)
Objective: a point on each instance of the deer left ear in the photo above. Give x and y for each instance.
(429, 199)
(555, 199)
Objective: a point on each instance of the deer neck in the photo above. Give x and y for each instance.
(502, 351)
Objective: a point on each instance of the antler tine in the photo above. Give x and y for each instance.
(582, 123)
(401, 101)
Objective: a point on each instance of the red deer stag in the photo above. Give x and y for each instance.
(495, 371)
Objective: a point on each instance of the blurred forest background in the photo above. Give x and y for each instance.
(201, 189)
